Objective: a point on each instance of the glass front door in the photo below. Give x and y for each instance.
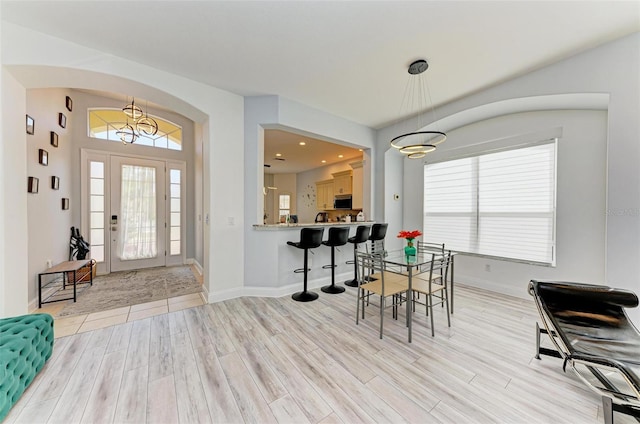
(137, 217)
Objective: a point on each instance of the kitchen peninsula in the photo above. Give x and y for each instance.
(274, 265)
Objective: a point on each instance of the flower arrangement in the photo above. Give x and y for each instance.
(409, 250)
(409, 235)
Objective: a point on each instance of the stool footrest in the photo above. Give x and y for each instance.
(329, 266)
(350, 262)
(300, 270)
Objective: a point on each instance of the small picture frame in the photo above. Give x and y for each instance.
(55, 182)
(69, 103)
(31, 125)
(32, 185)
(54, 139)
(43, 157)
(62, 120)
(65, 203)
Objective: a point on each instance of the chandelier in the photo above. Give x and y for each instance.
(141, 124)
(417, 144)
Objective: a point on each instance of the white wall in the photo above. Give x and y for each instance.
(81, 140)
(27, 56)
(275, 112)
(612, 68)
(14, 287)
(49, 227)
(580, 204)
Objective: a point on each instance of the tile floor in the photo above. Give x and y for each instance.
(66, 326)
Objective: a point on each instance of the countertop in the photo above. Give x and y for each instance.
(270, 227)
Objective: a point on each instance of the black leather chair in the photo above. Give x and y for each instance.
(592, 333)
(310, 238)
(337, 237)
(362, 235)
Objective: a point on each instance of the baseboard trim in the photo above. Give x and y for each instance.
(32, 306)
(519, 291)
(196, 264)
(249, 291)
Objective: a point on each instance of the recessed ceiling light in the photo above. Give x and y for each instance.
(302, 143)
(340, 156)
(324, 161)
(359, 150)
(278, 154)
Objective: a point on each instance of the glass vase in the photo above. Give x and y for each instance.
(409, 249)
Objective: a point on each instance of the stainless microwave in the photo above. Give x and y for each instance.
(342, 202)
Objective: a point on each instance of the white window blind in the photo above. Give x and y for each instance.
(497, 204)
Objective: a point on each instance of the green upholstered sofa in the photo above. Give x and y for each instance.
(26, 343)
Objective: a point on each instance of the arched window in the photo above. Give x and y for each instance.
(103, 124)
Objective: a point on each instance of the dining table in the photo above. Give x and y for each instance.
(410, 265)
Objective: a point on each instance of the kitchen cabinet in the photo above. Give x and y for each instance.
(357, 189)
(324, 195)
(342, 182)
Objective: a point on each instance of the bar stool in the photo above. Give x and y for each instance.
(310, 238)
(378, 233)
(362, 235)
(337, 237)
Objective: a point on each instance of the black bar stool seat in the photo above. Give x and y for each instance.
(362, 235)
(337, 237)
(378, 233)
(310, 238)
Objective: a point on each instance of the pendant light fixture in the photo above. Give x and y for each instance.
(417, 144)
(147, 125)
(143, 123)
(132, 111)
(127, 134)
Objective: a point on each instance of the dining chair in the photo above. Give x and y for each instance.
(386, 285)
(426, 247)
(432, 284)
(430, 247)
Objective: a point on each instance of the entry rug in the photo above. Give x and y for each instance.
(127, 288)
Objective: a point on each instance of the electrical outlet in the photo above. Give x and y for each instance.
(487, 267)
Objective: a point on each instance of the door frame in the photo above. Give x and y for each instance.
(87, 155)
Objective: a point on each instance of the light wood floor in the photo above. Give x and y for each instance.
(263, 360)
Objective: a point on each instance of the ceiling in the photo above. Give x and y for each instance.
(295, 158)
(348, 58)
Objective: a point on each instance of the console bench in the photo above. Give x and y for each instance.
(78, 269)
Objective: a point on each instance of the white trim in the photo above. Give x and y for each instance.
(32, 306)
(89, 154)
(196, 264)
(515, 290)
(272, 291)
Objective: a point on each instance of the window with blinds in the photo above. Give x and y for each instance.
(497, 204)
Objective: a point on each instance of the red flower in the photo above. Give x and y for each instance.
(409, 234)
